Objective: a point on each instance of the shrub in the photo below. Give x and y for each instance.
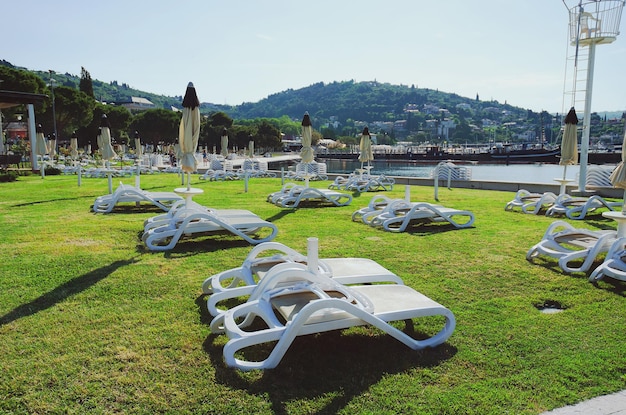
(7, 176)
(52, 171)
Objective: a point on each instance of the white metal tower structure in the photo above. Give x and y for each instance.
(591, 23)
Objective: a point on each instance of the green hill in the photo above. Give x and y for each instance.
(342, 108)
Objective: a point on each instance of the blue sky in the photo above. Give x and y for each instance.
(244, 50)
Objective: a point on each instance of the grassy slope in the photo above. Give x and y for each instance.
(92, 321)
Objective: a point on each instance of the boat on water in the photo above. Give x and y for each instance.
(504, 154)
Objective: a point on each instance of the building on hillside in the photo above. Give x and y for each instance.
(445, 127)
(136, 103)
(16, 130)
(400, 125)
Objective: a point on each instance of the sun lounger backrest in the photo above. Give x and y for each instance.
(216, 165)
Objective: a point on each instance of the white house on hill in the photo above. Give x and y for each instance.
(137, 103)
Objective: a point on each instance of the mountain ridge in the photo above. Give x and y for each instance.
(108, 92)
(399, 109)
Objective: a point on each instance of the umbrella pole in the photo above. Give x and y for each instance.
(137, 178)
(437, 183)
(43, 169)
(312, 255)
(188, 180)
(109, 176)
(624, 203)
(562, 188)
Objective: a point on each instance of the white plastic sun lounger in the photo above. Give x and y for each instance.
(308, 171)
(241, 282)
(130, 194)
(578, 207)
(180, 210)
(273, 197)
(363, 183)
(571, 245)
(220, 171)
(294, 301)
(368, 183)
(614, 265)
(398, 215)
(265, 256)
(531, 203)
(375, 206)
(166, 236)
(292, 195)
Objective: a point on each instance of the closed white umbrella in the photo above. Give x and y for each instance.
(307, 153)
(138, 154)
(41, 147)
(189, 131)
(108, 153)
(365, 146)
(224, 143)
(74, 146)
(138, 149)
(99, 139)
(618, 176)
(307, 138)
(74, 154)
(251, 149)
(569, 145)
(52, 145)
(106, 148)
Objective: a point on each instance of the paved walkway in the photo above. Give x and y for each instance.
(614, 404)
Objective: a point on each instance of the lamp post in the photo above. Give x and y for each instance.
(3, 140)
(591, 23)
(54, 116)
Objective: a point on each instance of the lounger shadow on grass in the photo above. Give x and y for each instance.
(422, 228)
(348, 362)
(194, 246)
(280, 215)
(64, 199)
(62, 292)
(613, 286)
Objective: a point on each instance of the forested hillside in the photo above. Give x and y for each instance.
(393, 111)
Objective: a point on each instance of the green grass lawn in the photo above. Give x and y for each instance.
(92, 322)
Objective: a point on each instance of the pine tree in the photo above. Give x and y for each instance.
(85, 82)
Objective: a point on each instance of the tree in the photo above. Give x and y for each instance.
(462, 132)
(268, 136)
(211, 130)
(120, 119)
(87, 133)
(157, 126)
(220, 119)
(288, 126)
(73, 109)
(328, 132)
(86, 84)
(22, 81)
(240, 135)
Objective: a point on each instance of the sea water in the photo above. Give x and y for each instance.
(513, 173)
